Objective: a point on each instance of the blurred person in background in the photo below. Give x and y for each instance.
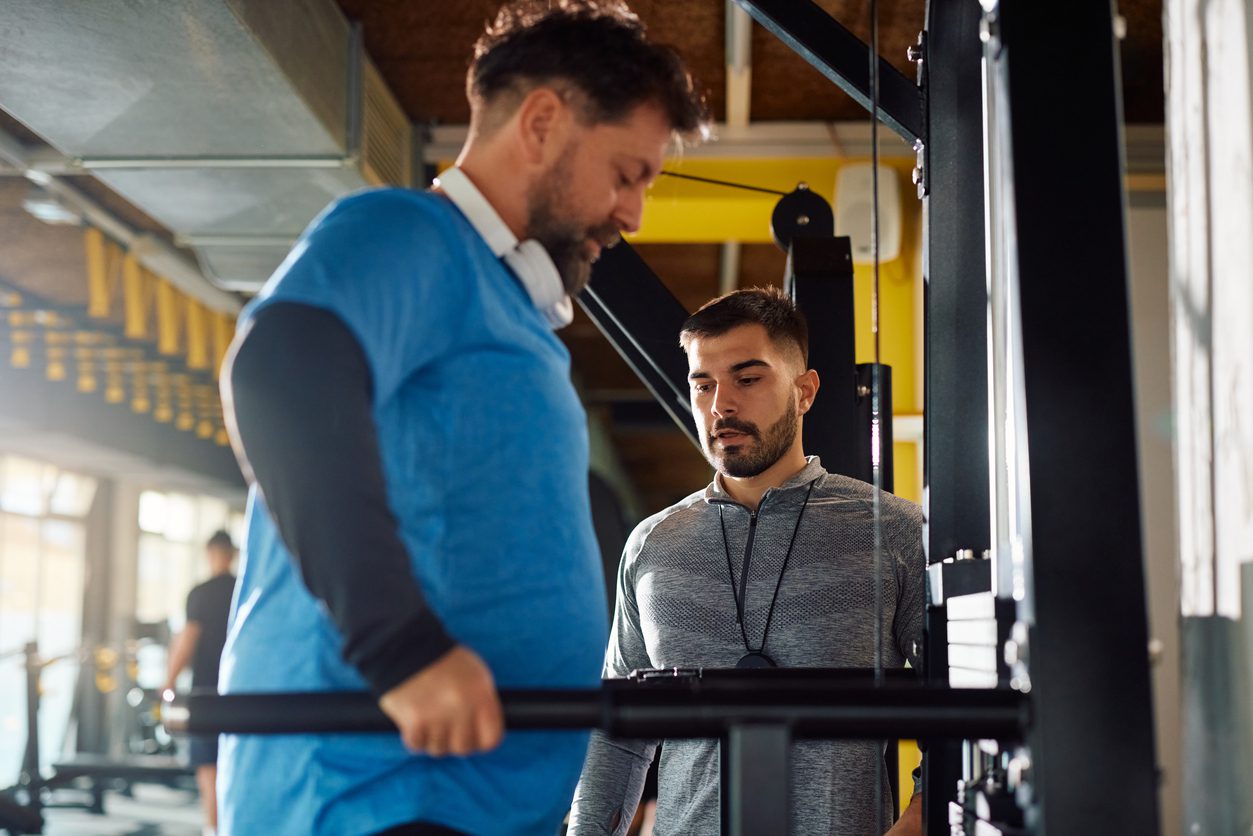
(200, 645)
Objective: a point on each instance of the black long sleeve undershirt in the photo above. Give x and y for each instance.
(301, 393)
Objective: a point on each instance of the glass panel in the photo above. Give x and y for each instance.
(185, 570)
(61, 587)
(19, 594)
(180, 520)
(22, 485)
(236, 527)
(152, 512)
(214, 515)
(60, 631)
(19, 580)
(72, 495)
(152, 579)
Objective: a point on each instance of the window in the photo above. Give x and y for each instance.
(42, 576)
(173, 530)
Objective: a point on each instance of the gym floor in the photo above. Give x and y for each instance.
(153, 811)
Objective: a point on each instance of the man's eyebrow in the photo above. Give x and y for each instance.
(701, 374)
(645, 169)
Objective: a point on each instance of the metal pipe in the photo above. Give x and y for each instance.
(195, 162)
(630, 710)
(285, 241)
(156, 255)
(738, 49)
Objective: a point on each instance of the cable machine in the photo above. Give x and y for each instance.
(1036, 692)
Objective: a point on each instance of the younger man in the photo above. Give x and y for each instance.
(771, 565)
(200, 643)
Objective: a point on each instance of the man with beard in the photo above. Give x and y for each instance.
(420, 523)
(771, 565)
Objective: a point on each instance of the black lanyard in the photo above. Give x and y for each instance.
(756, 658)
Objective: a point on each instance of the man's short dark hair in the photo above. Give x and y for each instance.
(769, 307)
(221, 540)
(599, 47)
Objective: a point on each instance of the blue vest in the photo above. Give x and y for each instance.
(484, 448)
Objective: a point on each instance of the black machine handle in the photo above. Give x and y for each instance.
(692, 705)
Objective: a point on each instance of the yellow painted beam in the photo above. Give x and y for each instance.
(198, 346)
(686, 211)
(140, 399)
(135, 289)
(223, 328)
(114, 383)
(20, 356)
(170, 309)
(86, 362)
(98, 264)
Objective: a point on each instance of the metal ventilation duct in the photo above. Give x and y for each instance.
(230, 122)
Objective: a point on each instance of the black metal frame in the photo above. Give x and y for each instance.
(956, 383)
(1088, 641)
(841, 56)
(641, 319)
(819, 279)
(755, 715)
(1087, 577)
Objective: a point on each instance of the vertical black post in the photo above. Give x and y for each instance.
(956, 435)
(756, 778)
(956, 431)
(1088, 663)
(866, 423)
(31, 778)
(820, 280)
(92, 733)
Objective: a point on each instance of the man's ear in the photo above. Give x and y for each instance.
(542, 120)
(808, 384)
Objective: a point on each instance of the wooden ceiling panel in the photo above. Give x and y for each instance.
(690, 271)
(761, 265)
(423, 49)
(697, 29)
(786, 87)
(49, 261)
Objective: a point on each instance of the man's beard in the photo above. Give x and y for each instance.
(565, 240)
(769, 448)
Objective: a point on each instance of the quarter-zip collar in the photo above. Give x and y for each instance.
(716, 493)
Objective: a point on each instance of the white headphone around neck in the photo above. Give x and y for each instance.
(528, 260)
(534, 267)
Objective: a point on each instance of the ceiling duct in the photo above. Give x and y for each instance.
(230, 122)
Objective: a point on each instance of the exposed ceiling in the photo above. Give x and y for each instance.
(421, 49)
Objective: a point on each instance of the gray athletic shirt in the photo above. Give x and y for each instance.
(675, 609)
